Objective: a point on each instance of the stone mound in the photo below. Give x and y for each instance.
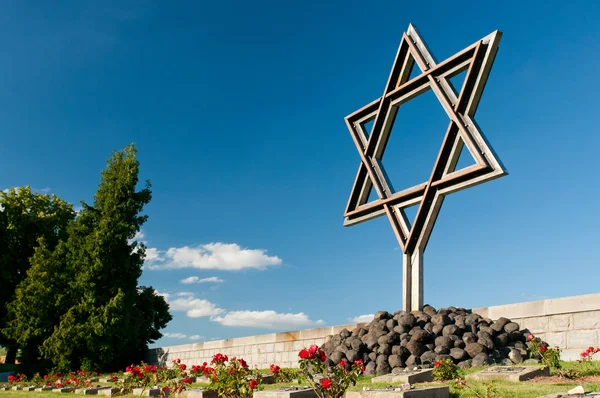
(419, 338)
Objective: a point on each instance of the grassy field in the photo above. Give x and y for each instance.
(529, 389)
(503, 389)
(2, 351)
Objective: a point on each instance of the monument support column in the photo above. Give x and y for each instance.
(406, 282)
(412, 281)
(416, 289)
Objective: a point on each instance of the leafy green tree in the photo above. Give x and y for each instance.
(88, 311)
(25, 217)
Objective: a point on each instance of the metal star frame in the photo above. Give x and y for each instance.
(477, 60)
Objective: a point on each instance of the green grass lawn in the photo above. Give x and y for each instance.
(528, 389)
(2, 351)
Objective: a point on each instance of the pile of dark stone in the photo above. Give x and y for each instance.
(420, 338)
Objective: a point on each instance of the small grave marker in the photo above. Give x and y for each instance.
(410, 376)
(41, 389)
(266, 378)
(89, 390)
(63, 389)
(109, 391)
(289, 392)
(509, 373)
(147, 392)
(199, 393)
(28, 388)
(425, 392)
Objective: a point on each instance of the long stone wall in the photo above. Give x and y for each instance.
(260, 350)
(571, 323)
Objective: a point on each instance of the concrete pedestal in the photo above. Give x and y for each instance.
(426, 392)
(510, 373)
(412, 377)
(290, 392)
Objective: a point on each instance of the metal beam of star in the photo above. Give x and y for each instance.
(462, 132)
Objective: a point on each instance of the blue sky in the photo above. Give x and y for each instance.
(237, 110)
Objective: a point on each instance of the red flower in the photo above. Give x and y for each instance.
(45, 376)
(183, 366)
(274, 369)
(243, 363)
(166, 388)
(437, 364)
(584, 354)
(253, 384)
(12, 378)
(312, 350)
(220, 358)
(128, 369)
(326, 383)
(529, 337)
(178, 360)
(186, 381)
(360, 363)
(322, 355)
(342, 364)
(304, 354)
(543, 348)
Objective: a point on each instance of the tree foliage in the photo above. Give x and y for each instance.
(80, 305)
(25, 218)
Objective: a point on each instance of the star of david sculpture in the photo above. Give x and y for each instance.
(463, 131)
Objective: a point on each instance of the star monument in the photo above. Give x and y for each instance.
(463, 131)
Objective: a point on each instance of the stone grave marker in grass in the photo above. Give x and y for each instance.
(509, 373)
(573, 393)
(42, 389)
(16, 388)
(408, 376)
(63, 389)
(147, 392)
(266, 378)
(89, 390)
(109, 391)
(28, 388)
(199, 393)
(425, 392)
(288, 392)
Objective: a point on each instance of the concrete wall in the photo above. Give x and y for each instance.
(261, 350)
(572, 323)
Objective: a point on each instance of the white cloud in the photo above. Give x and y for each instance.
(165, 295)
(196, 337)
(195, 307)
(175, 335)
(362, 318)
(221, 256)
(195, 279)
(184, 294)
(152, 254)
(265, 319)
